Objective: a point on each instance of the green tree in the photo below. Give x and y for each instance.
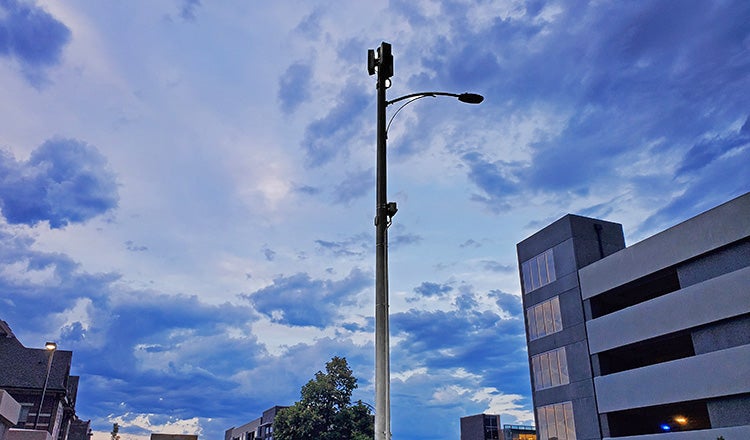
(325, 411)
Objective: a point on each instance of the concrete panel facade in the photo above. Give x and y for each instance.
(575, 241)
(680, 310)
(676, 381)
(672, 331)
(711, 230)
(735, 432)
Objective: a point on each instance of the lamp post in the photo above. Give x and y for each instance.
(50, 347)
(380, 62)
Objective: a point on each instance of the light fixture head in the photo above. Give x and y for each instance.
(470, 98)
(51, 346)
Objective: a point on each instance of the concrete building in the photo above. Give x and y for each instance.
(651, 341)
(23, 375)
(258, 429)
(481, 427)
(518, 432)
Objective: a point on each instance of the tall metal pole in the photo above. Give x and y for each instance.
(384, 62)
(50, 346)
(381, 62)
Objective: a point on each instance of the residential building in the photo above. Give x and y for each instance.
(650, 341)
(24, 372)
(258, 429)
(481, 427)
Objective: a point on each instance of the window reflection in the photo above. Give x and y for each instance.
(550, 369)
(538, 271)
(544, 318)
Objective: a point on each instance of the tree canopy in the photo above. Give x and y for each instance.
(325, 411)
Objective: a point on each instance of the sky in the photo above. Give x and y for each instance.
(187, 187)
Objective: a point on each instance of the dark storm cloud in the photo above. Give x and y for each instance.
(64, 181)
(299, 300)
(31, 36)
(328, 137)
(294, 86)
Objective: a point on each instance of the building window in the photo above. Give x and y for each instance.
(544, 318)
(556, 422)
(491, 428)
(550, 369)
(538, 271)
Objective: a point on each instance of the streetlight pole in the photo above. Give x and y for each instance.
(50, 347)
(380, 62)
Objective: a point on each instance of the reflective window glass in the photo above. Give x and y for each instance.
(556, 421)
(544, 318)
(550, 369)
(551, 425)
(538, 271)
(556, 316)
(549, 325)
(563, 362)
(541, 416)
(570, 425)
(531, 319)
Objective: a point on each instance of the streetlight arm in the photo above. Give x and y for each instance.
(469, 98)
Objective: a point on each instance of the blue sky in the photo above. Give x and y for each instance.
(187, 187)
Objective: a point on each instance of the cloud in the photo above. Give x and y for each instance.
(299, 300)
(510, 303)
(132, 247)
(470, 243)
(355, 185)
(495, 180)
(496, 266)
(428, 289)
(294, 86)
(64, 181)
(269, 253)
(354, 246)
(440, 339)
(31, 36)
(188, 9)
(616, 94)
(327, 138)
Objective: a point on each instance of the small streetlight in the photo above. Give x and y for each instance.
(50, 347)
(380, 62)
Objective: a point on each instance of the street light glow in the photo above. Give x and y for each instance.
(50, 346)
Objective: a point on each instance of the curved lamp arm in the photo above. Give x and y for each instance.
(469, 98)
